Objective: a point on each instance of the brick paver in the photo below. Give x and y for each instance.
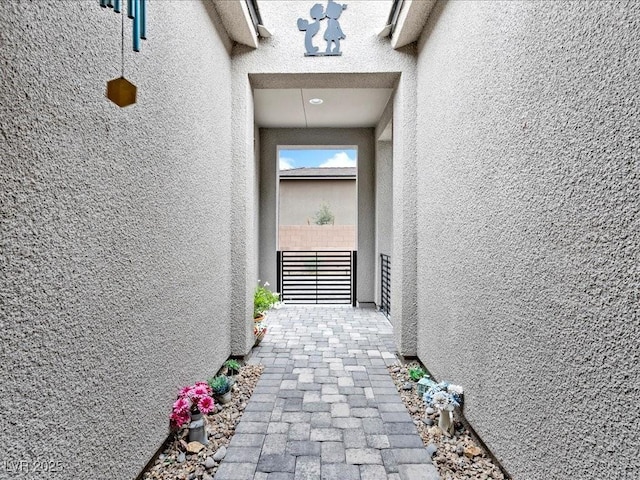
(326, 406)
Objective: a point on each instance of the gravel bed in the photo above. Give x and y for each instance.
(175, 463)
(455, 457)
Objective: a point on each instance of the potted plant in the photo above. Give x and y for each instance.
(263, 300)
(221, 388)
(233, 367)
(193, 401)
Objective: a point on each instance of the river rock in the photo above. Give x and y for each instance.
(432, 449)
(194, 447)
(220, 453)
(472, 451)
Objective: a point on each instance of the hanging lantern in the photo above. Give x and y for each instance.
(121, 92)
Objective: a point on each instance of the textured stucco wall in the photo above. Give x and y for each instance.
(404, 260)
(114, 244)
(384, 206)
(245, 216)
(300, 201)
(362, 138)
(529, 228)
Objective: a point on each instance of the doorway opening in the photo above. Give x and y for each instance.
(317, 224)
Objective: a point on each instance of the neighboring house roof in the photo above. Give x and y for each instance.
(336, 172)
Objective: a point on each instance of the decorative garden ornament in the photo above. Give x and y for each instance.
(424, 384)
(444, 397)
(197, 430)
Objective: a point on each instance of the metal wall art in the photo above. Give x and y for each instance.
(120, 90)
(332, 33)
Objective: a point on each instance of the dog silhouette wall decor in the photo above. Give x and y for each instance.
(332, 34)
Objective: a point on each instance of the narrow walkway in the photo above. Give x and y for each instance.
(326, 407)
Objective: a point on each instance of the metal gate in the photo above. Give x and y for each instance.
(317, 277)
(385, 284)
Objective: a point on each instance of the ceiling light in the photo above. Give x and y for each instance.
(316, 101)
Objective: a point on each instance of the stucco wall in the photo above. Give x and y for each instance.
(300, 200)
(114, 245)
(528, 228)
(384, 206)
(245, 216)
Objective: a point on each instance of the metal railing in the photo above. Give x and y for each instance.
(317, 277)
(385, 284)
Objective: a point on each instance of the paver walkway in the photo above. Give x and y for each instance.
(326, 407)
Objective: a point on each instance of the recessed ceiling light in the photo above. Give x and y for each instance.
(316, 101)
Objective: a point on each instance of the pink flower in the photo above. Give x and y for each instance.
(192, 398)
(180, 418)
(181, 405)
(200, 390)
(184, 391)
(205, 405)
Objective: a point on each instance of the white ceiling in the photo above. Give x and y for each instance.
(342, 107)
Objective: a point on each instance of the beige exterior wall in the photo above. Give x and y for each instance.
(114, 230)
(301, 199)
(529, 241)
(317, 237)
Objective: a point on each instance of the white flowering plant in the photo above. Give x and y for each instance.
(444, 396)
(263, 299)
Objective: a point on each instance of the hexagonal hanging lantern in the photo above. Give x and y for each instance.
(121, 92)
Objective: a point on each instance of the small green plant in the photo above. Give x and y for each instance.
(219, 385)
(233, 366)
(263, 299)
(416, 373)
(324, 215)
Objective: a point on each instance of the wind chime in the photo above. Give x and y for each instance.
(120, 90)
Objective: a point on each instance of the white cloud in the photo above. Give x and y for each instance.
(340, 159)
(286, 163)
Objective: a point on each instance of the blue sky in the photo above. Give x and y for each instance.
(342, 157)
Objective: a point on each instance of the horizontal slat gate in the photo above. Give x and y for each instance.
(317, 277)
(385, 284)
